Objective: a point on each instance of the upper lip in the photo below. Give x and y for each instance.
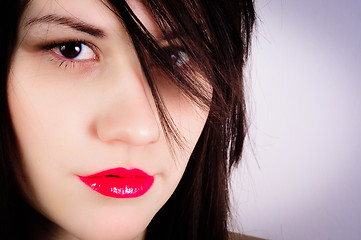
(121, 173)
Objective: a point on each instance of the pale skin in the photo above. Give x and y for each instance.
(96, 112)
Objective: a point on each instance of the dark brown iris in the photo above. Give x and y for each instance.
(70, 50)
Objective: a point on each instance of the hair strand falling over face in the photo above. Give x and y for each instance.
(214, 38)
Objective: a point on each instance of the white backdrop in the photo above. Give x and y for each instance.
(301, 175)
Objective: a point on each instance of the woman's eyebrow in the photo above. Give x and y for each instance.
(69, 22)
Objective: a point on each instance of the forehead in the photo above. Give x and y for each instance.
(98, 13)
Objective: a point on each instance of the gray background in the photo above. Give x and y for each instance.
(300, 179)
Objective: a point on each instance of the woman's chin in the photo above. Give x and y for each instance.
(106, 230)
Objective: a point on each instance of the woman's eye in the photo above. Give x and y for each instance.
(177, 55)
(74, 51)
(179, 58)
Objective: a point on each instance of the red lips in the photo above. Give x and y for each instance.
(119, 182)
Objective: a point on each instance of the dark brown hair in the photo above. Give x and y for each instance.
(216, 36)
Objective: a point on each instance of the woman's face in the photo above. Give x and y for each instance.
(80, 105)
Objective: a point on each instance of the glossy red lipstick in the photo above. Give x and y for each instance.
(119, 182)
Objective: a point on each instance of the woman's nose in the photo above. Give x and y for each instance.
(127, 115)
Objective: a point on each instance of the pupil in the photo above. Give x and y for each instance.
(70, 50)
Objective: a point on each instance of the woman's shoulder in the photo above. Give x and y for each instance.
(238, 236)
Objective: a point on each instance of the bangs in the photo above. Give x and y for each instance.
(215, 47)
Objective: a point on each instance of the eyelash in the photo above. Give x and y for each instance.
(63, 61)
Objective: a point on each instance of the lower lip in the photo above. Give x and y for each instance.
(119, 182)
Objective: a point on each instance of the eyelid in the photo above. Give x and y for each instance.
(84, 50)
(176, 42)
(54, 44)
(67, 63)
